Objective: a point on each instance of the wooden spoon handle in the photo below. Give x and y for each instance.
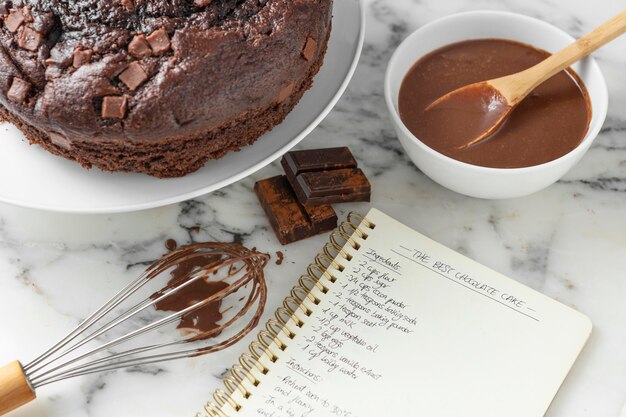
(584, 46)
(15, 390)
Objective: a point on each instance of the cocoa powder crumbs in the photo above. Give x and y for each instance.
(171, 244)
(281, 257)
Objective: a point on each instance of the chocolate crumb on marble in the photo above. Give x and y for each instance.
(114, 107)
(280, 257)
(171, 244)
(133, 76)
(18, 92)
(290, 220)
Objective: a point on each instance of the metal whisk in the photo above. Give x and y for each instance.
(136, 326)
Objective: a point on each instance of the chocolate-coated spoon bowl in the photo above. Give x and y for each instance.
(478, 181)
(502, 95)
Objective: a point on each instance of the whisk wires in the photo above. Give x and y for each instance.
(237, 266)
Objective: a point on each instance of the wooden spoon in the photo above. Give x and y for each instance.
(492, 101)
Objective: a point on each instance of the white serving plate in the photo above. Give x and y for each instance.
(31, 177)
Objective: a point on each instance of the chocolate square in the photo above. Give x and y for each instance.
(81, 57)
(139, 47)
(114, 107)
(133, 76)
(29, 39)
(289, 219)
(285, 92)
(28, 14)
(310, 48)
(14, 20)
(129, 5)
(60, 140)
(61, 57)
(297, 162)
(326, 176)
(18, 92)
(159, 41)
(334, 186)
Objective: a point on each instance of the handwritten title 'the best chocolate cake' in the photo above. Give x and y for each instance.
(155, 86)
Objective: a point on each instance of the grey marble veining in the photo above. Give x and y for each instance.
(567, 241)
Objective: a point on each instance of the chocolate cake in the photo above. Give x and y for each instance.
(155, 86)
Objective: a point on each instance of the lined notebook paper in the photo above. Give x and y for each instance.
(407, 328)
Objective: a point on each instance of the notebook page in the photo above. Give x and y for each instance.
(412, 328)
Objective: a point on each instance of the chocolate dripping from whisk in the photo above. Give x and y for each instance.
(259, 291)
(236, 253)
(205, 319)
(45, 369)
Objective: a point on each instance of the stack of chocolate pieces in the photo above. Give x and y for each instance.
(298, 204)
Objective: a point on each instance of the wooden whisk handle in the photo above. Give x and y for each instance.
(15, 391)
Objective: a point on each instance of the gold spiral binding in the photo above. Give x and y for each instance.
(318, 266)
(328, 261)
(275, 327)
(247, 361)
(253, 349)
(348, 237)
(280, 311)
(327, 252)
(278, 329)
(212, 410)
(301, 293)
(221, 398)
(354, 229)
(232, 385)
(305, 280)
(339, 247)
(359, 219)
(239, 373)
(292, 304)
(267, 339)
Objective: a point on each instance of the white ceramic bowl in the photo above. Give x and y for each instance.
(472, 180)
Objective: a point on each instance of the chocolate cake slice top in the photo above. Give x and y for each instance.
(150, 70)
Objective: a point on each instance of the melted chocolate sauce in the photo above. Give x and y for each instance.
(467, 113)
(203, 319)
(548, 124)
(219, 270)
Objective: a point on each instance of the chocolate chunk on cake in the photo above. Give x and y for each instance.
(155, 86)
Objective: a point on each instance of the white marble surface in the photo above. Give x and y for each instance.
(568, 241)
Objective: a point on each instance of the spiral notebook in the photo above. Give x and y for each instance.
(387, 322)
